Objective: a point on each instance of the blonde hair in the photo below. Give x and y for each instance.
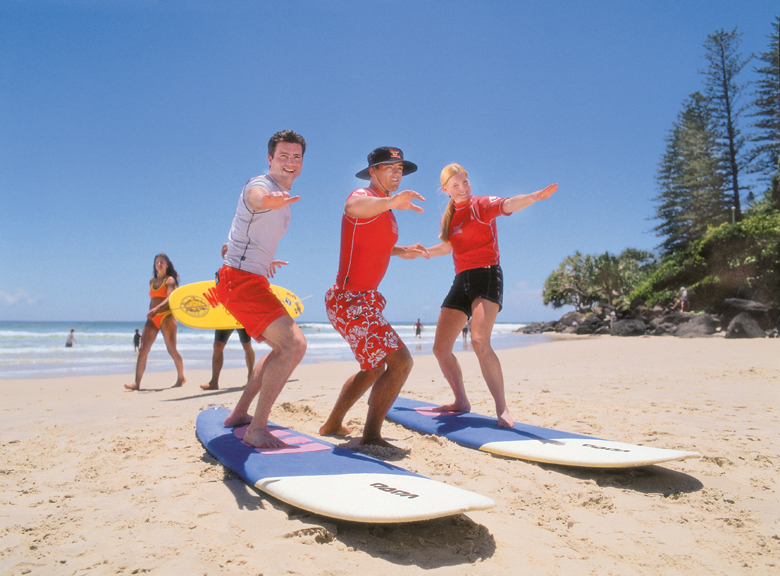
(448, 172)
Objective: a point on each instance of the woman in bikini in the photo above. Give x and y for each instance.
(468, 232)
(161, 286)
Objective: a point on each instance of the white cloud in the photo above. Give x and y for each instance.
(21, 296)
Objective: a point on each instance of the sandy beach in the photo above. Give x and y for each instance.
(97, 480)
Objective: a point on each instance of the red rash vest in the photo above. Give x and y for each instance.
(366, 245)
(473, 234)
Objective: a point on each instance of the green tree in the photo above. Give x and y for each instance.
(691, 182)
(766, 108)
(584, 280)
(724, 92)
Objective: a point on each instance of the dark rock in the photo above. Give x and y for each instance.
(570, 318)
(632, 327)
(549, 326)
(699, 326)
(732, 307)
(605, 329)
(664, 328)
(744, 326)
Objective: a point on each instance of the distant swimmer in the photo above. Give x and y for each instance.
(368, 239)
(418, 327)
(262, 217)
(468, 232)
(136, 340)
(71, 339)
(161, 286)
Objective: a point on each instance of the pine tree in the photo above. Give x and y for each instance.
(723, 92)
(766, 105)
(690, 178)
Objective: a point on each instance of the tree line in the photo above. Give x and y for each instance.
(712, 243)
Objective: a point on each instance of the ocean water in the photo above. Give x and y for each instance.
(37, 349)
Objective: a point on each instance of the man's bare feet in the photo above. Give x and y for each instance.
(337, 430)
(132, 386)
(262, 439)
(505, 419)
(235, 419)
(453, 407)
(179, 382)
(210, 386)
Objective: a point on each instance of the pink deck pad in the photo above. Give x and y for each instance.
(297, 444)
(424, 411)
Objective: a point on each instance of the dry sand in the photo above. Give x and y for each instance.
(97, 480)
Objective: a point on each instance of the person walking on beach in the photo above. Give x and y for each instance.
(160, 317)
(418, 329)
(369, 233)
(71, 339)
(468, 232)
(261, 220)
(136, 340)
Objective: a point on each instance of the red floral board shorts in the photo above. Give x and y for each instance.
(249, 299)
(357, 316)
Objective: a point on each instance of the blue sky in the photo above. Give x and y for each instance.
(128, 128)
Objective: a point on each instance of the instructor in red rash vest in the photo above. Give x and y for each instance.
(368, 239)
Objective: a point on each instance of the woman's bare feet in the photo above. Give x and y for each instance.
(505, 419)
(179, 382)
(453, 407)
(132, 386)
(237, 419)
(210, 386)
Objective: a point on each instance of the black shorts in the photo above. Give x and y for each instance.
(224, 335)
(487, 283)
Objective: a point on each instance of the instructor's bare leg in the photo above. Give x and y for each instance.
(355, 386)
(289, 346)
(448, 328)
(385, 391)
(483, 316)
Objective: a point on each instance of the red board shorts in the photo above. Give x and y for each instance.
(357, 316)
(249, 299)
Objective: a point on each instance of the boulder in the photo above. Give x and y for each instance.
(743, 325)
(733, 307)
(570, 317)
(664, 328)
(631, 327)
(699, 326)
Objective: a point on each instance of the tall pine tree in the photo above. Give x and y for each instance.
(766, 106)
(690, 179)
(723, 92)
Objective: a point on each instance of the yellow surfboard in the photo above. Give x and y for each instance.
(196, 305)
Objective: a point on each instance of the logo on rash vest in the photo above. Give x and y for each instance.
(396, 491)
(605, 448)
(457, 229)
(195, 306)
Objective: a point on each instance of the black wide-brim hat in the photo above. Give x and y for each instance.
(386, 155)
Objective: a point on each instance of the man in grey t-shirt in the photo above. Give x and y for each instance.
(262, 217)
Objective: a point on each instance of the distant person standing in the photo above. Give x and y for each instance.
(159, 318)
(418, 329)
(136, 340)
(469, 233)
(71, 339)
(369, 233)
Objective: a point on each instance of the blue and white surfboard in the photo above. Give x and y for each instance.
(527, 442)
(335, 482)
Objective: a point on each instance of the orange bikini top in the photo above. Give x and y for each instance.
(161, 292)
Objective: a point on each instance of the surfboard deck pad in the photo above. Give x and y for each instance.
(332, 481)
(527, 442)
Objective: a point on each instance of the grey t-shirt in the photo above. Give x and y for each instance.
(254, 236)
